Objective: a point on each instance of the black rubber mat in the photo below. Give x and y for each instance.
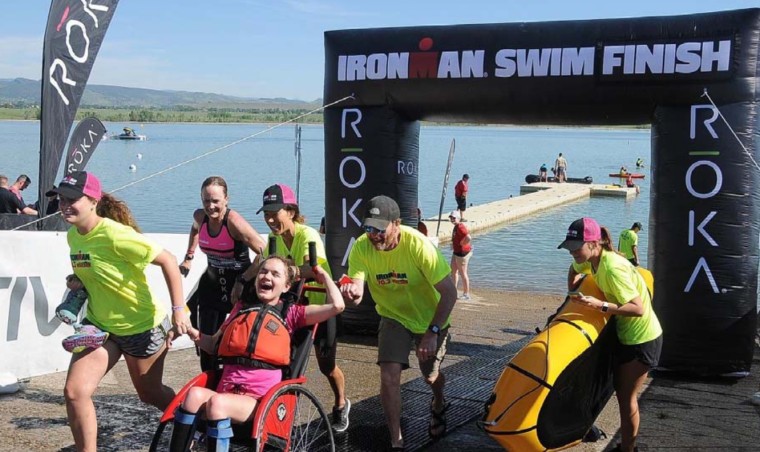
(469, 384)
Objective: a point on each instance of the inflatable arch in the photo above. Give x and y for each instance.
(704, 202)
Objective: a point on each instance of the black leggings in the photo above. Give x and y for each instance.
(209, 306)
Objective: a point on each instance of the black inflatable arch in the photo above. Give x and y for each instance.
(704, 205)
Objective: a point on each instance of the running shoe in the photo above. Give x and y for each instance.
(340, 417)
(86, 337)
(68, 311)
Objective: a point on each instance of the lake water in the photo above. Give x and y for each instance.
(520, 256)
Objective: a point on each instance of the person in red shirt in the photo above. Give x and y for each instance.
(461, 243)
(460, 194)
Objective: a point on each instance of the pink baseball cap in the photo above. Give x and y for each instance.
(580, 231)
(276, 197)
(78, 184)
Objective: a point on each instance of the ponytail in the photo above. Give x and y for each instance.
(117, 210)
(606, 241)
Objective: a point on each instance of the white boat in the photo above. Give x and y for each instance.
(128, 134)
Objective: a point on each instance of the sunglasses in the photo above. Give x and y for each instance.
(371, 230)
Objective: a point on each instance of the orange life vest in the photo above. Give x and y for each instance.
(257, 337)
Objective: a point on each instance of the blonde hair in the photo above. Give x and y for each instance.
(117, 210)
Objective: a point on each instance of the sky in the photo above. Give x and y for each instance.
(273, 48)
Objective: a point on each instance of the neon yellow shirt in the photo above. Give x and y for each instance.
(402, 281)
(584, 268)
(628, 239)
(110, 260)
(299, 254)
(621, 283)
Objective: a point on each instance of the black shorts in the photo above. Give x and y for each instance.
(326, 338)
(461, 203)
(647, 353)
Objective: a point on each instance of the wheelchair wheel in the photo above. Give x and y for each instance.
(294, 420)
(162, 437)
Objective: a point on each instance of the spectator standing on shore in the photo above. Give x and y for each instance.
(411, 284)
(20, 185)
(110, 256)
(460, 194)
(560, 168)
(9, 202)
(52, 206)
(543, 173)
(638, 330)
(461, 244)
(421, 224)
(629, 243)
(226, 238)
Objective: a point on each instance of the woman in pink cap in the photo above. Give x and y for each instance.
(627, 297)
(109, 256)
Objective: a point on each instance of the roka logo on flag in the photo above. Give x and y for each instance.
(73, 35)
(86, 137)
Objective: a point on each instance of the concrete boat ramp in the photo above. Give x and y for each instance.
(533, 198)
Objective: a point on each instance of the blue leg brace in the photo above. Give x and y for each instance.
(184, 426)
(218, 434)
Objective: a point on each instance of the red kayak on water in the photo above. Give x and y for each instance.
(633, 175)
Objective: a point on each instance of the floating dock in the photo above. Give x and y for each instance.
(533, 198)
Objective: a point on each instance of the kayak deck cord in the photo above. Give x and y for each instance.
(206, 154)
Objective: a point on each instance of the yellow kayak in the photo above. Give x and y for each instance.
(550, 393)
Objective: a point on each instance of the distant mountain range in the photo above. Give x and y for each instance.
(26, 92)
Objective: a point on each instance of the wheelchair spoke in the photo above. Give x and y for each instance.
(310, 429)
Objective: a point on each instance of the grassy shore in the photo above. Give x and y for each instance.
(181, 114)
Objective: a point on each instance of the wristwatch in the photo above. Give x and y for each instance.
(189, 257)
(605, 306)
(435, 329)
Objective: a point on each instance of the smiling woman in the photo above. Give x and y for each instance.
(109, 257)
(226, 238)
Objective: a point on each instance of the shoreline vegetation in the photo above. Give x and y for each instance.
(176, 114)
(217, 115)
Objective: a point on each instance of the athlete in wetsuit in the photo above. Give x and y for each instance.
(226, 238)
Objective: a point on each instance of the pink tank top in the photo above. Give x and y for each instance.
(223, 251)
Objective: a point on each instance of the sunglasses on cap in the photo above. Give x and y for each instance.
(371, 230)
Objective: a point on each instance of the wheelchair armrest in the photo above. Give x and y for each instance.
(203, 379)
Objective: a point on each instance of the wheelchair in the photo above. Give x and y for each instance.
(288, 417)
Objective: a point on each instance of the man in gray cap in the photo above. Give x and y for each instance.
(410, 281)
(629, 243)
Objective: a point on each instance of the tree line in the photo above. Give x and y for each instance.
(179, 114)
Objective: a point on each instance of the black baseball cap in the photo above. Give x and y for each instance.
(277, 197)
(78, 184)
(580, 231)
(637, 225)
(381, 211)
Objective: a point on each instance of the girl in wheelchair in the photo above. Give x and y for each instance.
(248, 371)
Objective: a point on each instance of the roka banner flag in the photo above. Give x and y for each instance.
(73, 35)
(84, 140)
